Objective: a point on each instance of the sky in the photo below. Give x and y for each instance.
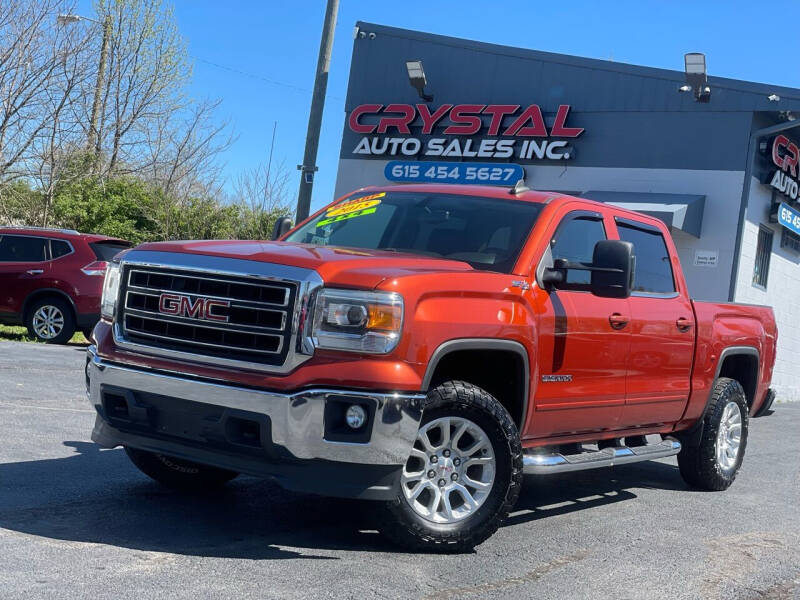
(259, 56)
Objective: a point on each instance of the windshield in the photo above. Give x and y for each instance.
(487, 233)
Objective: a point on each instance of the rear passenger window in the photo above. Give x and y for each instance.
(653, 272)
(59, 248)
(575, 240)
(105, 251)
(21, 248)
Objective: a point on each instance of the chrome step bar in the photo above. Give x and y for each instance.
(543, 463)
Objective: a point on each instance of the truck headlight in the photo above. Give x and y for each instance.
(358, 321)
(108, 303)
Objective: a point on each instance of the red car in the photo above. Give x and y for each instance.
(52, 280)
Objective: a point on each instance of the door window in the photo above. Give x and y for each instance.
(653, 272)
(22, 248)
(574, 240)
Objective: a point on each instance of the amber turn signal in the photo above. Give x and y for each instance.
(383, 317)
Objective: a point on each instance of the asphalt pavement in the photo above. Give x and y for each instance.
(80, 522)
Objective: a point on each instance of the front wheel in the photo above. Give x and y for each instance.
(179, 473)
(463, 476)
(714, 463)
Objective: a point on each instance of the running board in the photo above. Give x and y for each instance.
(540, 464)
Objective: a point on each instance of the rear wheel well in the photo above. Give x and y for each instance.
(499, 372)
(42, 294)
(744, 369)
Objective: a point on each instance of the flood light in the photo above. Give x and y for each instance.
(416, 76)
(695, 63)
(696, 78)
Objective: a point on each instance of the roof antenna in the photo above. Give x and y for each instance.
(519, 188)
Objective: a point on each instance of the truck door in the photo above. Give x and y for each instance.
(662, 332)
(23, 262)
(582, 341)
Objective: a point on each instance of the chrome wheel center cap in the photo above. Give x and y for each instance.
(446, 466)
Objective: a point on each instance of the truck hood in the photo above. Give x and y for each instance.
(353, 267)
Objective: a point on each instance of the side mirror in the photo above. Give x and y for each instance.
(282, 225)
(612, 269)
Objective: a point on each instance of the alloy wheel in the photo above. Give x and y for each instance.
(451, 470)
(729, 436)
(48, 321)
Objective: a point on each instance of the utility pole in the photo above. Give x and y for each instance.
(309, 167)
(92, 141)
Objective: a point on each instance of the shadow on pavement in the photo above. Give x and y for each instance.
(546, 496)
(97, 496)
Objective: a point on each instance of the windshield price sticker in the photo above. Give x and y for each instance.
(349, 209)
(453, 172)
(789, 218)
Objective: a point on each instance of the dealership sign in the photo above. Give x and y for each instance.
(493, 131)
(789, 218)
(785, 154)
(453, 172)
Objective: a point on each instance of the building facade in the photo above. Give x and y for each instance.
(722, 173)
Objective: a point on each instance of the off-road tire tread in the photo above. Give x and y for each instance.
(179, 475)
(697, 463)
(412, 535)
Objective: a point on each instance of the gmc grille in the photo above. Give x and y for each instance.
(251, 322)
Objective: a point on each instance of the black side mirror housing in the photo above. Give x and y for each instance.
(612, 269)
(282, 225)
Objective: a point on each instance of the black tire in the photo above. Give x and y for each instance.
(67, 320)
(698, 464)
(179, 473)
(405, 527)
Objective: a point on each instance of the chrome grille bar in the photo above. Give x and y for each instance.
(300, 282)
(281, 314)
(257, 323)
(279, 341)
(203, 279)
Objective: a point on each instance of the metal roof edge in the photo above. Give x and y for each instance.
(752, 87)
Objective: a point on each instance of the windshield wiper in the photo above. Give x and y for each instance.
(412, 251)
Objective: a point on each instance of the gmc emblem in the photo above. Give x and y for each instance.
(199, 308)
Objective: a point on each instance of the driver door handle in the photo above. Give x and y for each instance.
(684, 324)
(35, 271)
(618, 321)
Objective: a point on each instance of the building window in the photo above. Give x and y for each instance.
(790, 240)
(763, 254)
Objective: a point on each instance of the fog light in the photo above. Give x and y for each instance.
(356, 416)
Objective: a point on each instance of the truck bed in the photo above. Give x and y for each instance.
(724, 326)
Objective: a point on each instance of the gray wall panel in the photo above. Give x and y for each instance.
(633, 116)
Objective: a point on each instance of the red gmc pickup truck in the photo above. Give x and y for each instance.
(425, 346)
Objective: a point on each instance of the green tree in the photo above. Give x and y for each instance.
(119, 207)
(19, 203)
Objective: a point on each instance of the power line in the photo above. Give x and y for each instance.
(290, 86)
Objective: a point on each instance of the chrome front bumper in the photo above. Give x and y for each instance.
(296, 421)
